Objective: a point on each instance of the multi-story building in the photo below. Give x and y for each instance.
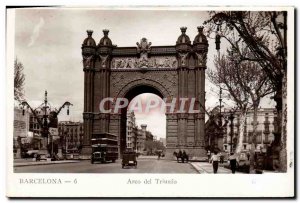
(163, 141)
(136, 136)
(266, 118)
(141, 138)
(130, 130)
(21, 129)
(222, 140)
(71, 134)
(21, 123)
(34, 126)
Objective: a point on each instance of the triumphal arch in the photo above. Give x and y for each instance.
(175, 71)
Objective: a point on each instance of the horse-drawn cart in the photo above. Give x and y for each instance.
(181, 156)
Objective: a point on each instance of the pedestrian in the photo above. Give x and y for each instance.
(232, 159)
(184, 156)
(248, 156)
(179, 155)
(215, 161)
(221, 158)
(158, 156)
(208, 155)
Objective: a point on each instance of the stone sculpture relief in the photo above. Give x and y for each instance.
(143, 46)
(87, 61)
(103, 61)
(201, 59)
(144, 62)
(183, 58)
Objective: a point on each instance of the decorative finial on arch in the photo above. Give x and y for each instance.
(200, 29)
(183, 29)
(89, 32)
(105, 32)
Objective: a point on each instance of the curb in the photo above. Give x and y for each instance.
(200, 171)
(46, 163)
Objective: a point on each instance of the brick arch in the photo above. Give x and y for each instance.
(165, 93)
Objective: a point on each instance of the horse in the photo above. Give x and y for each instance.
(182, 156)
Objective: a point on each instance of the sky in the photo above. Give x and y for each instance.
(48, 43)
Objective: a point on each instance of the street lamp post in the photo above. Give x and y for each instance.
(49, 118)
(231, 117)
(218, 43)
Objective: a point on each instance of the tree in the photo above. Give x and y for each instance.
(265, 35)
(245, 84)
(19, 80)
(153, 145)
(149, 146)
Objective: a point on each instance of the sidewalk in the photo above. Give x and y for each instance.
(205, 167)
(30, 162)
(147, 157)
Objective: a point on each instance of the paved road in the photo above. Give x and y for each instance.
(144, 166)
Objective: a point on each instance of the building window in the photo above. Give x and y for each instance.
(258, 138)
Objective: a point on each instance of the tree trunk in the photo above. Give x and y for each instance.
(283, 140)
(253, 140)
(241, 131)
(279, 143)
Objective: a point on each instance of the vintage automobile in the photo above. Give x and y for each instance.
(129, 159)
(242, 160)
(31, 154)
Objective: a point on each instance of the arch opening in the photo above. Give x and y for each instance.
(137, 124)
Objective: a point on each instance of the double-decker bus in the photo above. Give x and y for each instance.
(104, 147)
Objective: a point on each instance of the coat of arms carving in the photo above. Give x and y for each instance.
(143, 46)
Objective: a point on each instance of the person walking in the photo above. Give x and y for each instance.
(232, 159)
(215, 161)
(179, 155)
(158, 156)
(221, 158)
(184, 156)
(248, 156)
(208, 155)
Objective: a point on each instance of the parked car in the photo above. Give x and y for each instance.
(242, 160)
(31, 154)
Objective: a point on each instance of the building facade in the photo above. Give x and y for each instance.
(20, 131)
(136, 136)
(163, 141)
(266, 118)
(130, 130)
(71, 134)
(34, 126)
(21, 123)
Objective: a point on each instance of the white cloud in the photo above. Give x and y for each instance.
(36, 32)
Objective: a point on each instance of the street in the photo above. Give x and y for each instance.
(145, 165)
